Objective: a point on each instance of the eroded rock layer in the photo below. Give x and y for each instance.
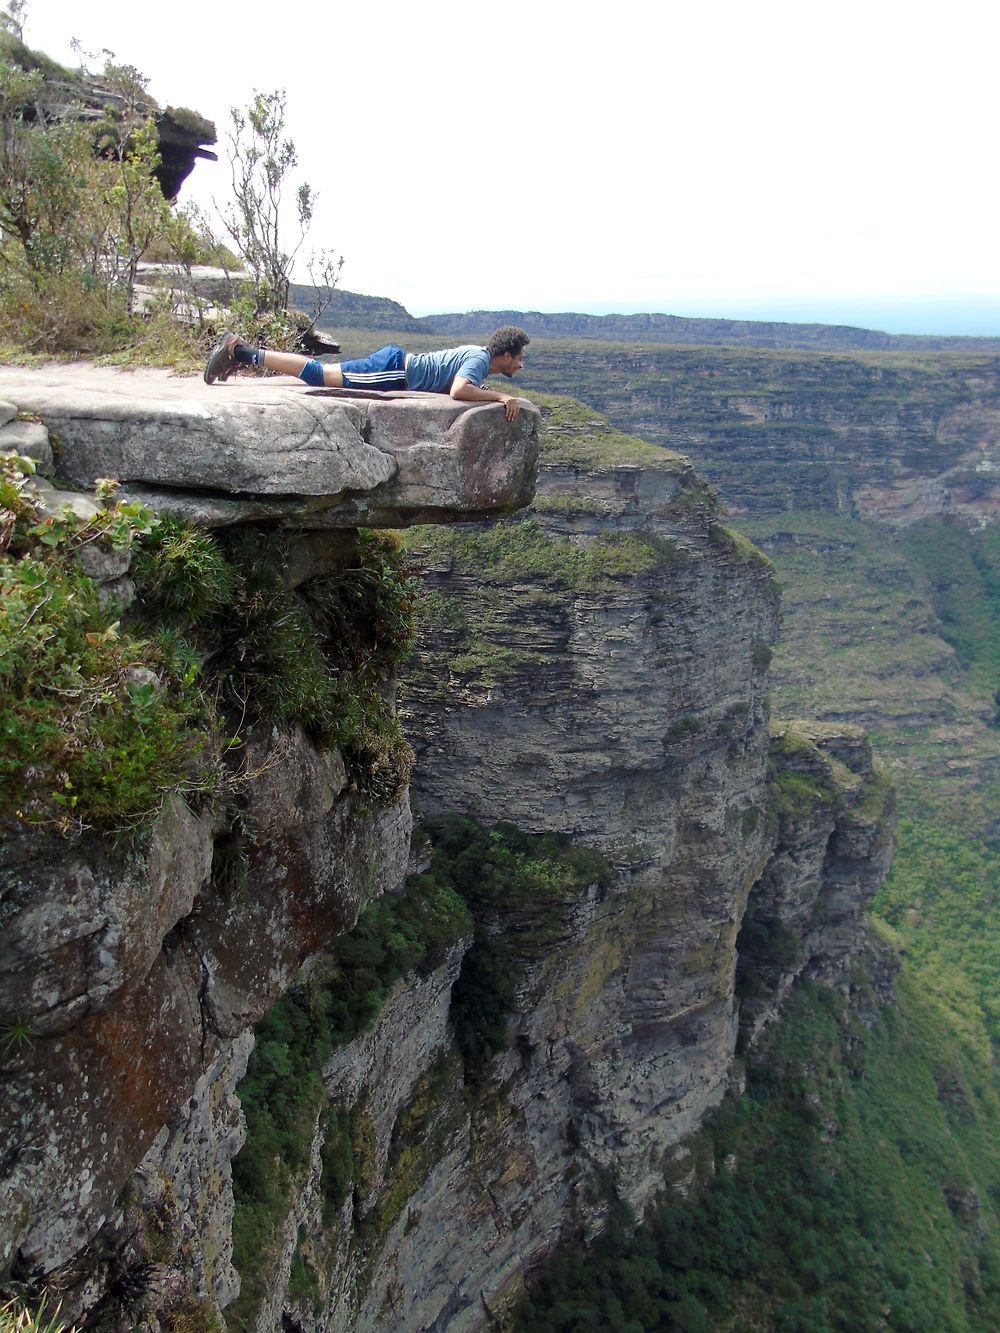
(596, 669)
(271, 449)
(134, 969)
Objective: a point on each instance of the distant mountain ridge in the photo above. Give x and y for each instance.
(357, 311)
(655, 328)
(353, 310)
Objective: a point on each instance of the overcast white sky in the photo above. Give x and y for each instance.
(786, 160)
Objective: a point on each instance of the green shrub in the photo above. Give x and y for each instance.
(761, 655)
(88, 738)
(686, 726)
(519, 887)
(91, 739)
(321, 655)
(67, 180)
(183, 573)
(79, 207)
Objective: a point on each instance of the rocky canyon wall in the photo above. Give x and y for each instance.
(595, 670)
(890, 438)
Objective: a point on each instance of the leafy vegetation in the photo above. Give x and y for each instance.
(261, 159)
(79, 206)
(320, 655)
(842, 1198)
(104, 712)
(518, 887)
(282, 1093)
(941, 897)
(98, 722)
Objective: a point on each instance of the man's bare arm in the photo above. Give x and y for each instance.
(467, 392)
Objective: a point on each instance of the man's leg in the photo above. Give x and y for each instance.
(290, 363)
(231, 352)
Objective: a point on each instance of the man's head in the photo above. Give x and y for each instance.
(506, 350)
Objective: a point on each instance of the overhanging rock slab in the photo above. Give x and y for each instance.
(271, 448)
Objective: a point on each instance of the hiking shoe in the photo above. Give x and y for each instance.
(221, 363)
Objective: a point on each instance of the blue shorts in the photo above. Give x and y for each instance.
(384, 369)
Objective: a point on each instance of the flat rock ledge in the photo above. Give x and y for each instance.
(272, 449)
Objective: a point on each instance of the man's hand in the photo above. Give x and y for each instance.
(464, 392)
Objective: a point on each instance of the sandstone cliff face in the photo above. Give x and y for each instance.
(831, 850)
(133, 967)
(884, 438)
(598, 669)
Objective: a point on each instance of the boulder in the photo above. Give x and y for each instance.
(29, 438)
(271, 448)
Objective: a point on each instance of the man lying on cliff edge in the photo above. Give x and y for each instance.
(457, 371)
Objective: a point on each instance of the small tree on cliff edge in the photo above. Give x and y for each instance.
(260, 159)
(78, 205)
(13, 17)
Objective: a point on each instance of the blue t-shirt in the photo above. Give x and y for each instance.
(433, 372)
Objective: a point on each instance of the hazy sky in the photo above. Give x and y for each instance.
(785, 160)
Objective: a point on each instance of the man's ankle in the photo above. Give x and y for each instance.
(245, 355)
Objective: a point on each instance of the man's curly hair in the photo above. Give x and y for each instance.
(507, 340)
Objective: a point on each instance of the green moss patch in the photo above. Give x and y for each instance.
(507, 552)
(577, 435)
